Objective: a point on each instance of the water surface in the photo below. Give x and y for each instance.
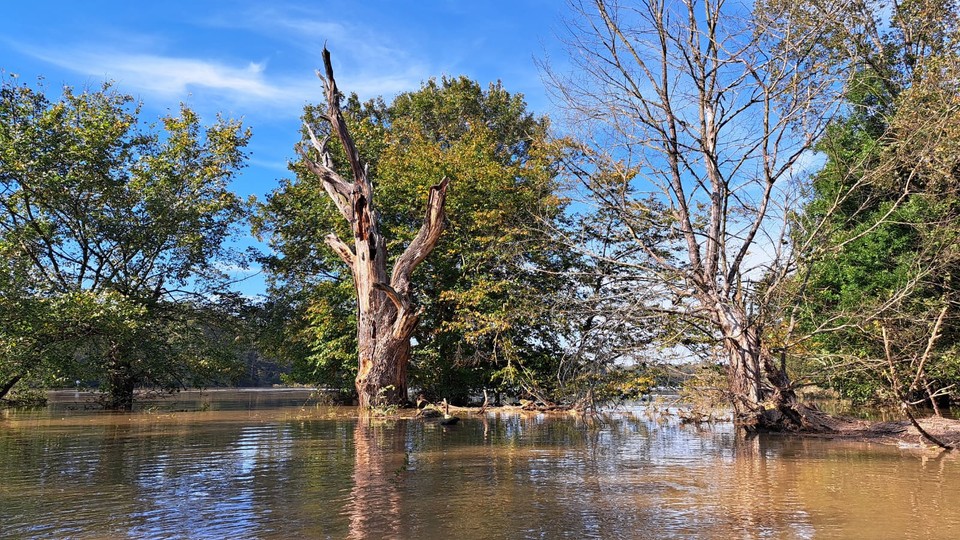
(275, 465)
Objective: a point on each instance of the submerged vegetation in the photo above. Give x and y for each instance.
(770, 196)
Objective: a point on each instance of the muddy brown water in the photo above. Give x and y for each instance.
(276, 465)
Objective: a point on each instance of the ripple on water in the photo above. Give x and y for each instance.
(286, 474)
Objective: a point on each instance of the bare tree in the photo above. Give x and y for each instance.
(706, 117)
(386, 314)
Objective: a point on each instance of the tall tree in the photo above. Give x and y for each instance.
(386, 314)
(704, 117)
(114, 236)
(489, 298)
(878, 303)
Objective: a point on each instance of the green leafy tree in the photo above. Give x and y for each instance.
(114, 236)
(488, 289)
(879, 295)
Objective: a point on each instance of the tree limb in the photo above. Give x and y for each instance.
(433, 225)
(336, 187)
(335, 117)
(341, 249)
(401, 303)
(9, 384)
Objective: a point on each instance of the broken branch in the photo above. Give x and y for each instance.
(433, 225)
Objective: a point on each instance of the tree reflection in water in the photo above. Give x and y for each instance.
(292, 472)
(375, 501)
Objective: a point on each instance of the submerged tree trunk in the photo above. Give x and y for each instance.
(761, 391)
(763, 398)
(386, 317)
(120, 396)
(121, 381)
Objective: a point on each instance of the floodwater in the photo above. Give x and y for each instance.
(276, 465)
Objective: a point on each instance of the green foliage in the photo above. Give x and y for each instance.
(486, 288)
(382, 405)
(113, 233)
(330, 324)
(615, 385)
(887, 204)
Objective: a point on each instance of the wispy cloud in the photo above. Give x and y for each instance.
(179, 77)
(174, 77)
(240, 85)
(368, 60)
(308, 30)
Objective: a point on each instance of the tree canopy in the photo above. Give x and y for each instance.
(879, 295)
(113, 232)
(486, 289)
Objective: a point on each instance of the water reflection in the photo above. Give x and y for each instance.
(294, 471)
(213, 482)
(375, 501)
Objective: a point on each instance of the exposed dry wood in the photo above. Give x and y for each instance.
(923, 432)
(386, 317)
(908, 434)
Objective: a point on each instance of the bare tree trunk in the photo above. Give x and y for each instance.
(382, 377)
(744, 378)
(932, 396)
(386, 317)
(7, 386)
(761, 392)
(701, 111)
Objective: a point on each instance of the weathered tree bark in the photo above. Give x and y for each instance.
(761, 392)
(386, 315)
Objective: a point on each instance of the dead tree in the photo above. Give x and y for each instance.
(703, 115)
(386, 317)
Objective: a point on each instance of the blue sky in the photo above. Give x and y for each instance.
(257, 60)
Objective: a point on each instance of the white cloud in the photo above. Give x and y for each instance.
(369, 61)
(242, 86)
(177, 77)
(309, 30)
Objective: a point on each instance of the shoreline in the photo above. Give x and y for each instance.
(901, 432)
